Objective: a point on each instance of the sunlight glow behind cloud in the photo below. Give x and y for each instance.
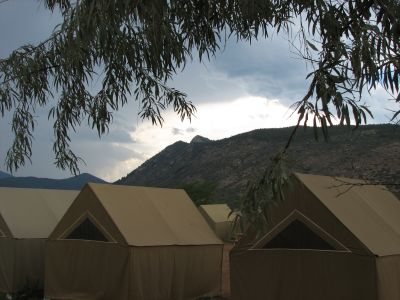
(212, 120)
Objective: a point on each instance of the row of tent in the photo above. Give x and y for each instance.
(329, 239)
(108, 242)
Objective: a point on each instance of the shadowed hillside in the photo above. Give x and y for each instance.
(72, 183)
(370, 152)
(4, 175)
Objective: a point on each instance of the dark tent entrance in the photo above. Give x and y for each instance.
(299, 232)
(86, 230)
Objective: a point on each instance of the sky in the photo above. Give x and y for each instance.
(244, 87)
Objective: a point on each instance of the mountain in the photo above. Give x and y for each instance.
(200, 139)
(4, 175)
(72, 183)
(370, 152)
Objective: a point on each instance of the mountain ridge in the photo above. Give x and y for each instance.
(371, 152)
(71, 183)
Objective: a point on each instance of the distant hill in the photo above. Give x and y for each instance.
(370, 152)
(4, 175)
(72, 183)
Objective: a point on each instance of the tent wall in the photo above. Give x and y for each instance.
(86, 270)
(175, 272)
(7, 258)
(77, 270)
(29, 263)
(302, 274)
(388, 269)
(21, 263)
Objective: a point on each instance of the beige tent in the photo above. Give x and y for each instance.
(27, 217)
(330, 239)
(123, 242)
(219, 218)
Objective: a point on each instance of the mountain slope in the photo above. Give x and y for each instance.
(4, 175)
(370, 152)
(72, 183)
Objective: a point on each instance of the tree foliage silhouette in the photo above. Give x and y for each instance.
(135, 47)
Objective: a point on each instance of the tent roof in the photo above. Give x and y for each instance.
(218, 212)
(33, 213)
(370, 212)
(154, 216)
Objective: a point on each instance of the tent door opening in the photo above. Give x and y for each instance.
(298, 235)
(87, 230)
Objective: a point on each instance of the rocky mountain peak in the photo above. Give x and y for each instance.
(200, 139)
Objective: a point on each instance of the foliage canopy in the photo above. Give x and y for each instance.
(200, 192)
(135, 47)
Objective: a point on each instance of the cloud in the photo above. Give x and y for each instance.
(116, 134)
(203, 82)
(267, 68)
(179, 131)
(176, 131)
(113, 161)
(260, 116)
(191, 130)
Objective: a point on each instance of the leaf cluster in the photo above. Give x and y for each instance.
(200, 192)
(262, 194)
(355, 48)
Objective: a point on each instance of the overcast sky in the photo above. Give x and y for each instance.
(244, 87)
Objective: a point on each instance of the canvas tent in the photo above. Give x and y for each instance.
(124, 242)
(330, 239)
(219, 218)
(27, 217)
